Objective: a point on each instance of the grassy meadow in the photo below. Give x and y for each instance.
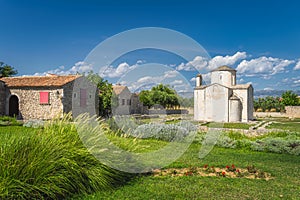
(51, 162)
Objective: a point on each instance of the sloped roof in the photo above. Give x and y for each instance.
(239, 86)
(39, 81)
(224, 68)
(118, 89)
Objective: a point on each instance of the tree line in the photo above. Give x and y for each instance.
(276, 104)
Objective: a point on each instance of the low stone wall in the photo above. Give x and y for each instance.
(292, 111)
(268, 114)
(166, 112)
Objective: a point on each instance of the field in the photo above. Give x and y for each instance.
(54, 158)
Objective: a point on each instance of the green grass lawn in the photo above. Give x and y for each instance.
(229, 125)
(286, 125)
(284, 168)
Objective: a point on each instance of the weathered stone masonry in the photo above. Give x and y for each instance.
(64, 94)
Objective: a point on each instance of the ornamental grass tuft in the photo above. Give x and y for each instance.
(50, 163)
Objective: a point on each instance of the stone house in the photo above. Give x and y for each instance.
(128, 103)
(46, 97)
(223, 100)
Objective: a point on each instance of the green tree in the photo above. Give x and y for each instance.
(146, 98)
(7, 70)
(106, 96)
(290, 98)
(186, 102)
(162, 95)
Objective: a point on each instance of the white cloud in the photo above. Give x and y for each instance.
(297, 66)
(268, 88)
(198, 63)
(263, 66)
(112, 72)
(285, 80)
(79, 67)
(177, 82)
(297, 81)
(241, 80)
(193, 79)
(205, 78)
(218, 61)
(201, 63)
(170, 74)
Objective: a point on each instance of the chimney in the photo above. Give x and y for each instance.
(198, 80)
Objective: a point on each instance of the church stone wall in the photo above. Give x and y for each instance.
(222, 78)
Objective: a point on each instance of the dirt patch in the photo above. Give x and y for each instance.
(229, 171)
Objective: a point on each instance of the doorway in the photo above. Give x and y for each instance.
(13, 106)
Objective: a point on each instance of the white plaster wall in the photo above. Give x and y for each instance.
(199, 105)
(243, 95)
(235, 110)
(222, 78)
(250, 103)
(216, 103)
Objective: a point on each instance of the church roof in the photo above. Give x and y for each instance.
(224, 68)
(38, 81)
(239, 86)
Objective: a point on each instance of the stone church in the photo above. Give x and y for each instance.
(223, 100)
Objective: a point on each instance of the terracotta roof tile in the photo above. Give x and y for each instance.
(118, 89)
(38, 81)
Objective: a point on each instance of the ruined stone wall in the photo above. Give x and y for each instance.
(292, 111)
(29, 102)
(2, 98)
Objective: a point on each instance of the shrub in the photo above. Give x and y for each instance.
(259, 110)
(166, 132)
(50, 163)
(6, 120)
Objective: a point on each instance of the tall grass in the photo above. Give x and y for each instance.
(50, 163)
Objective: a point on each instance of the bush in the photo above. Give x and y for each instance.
(50, 163)
(166, 132)
(6, 120)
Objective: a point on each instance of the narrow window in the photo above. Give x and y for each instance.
(220, 77)
(83, 97)
(74, 95)
(123, 102)
(44, 97)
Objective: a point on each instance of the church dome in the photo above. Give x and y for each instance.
(224, 68)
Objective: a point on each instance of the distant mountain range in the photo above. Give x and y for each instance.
(275, 93)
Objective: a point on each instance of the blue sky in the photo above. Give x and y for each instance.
(259, 38)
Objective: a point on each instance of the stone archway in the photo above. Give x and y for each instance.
(13, 106)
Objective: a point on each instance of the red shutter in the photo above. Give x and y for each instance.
(83, 97)
(44, 97)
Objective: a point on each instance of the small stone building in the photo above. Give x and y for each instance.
(46, 97)
(128, 103)
(223, 100)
